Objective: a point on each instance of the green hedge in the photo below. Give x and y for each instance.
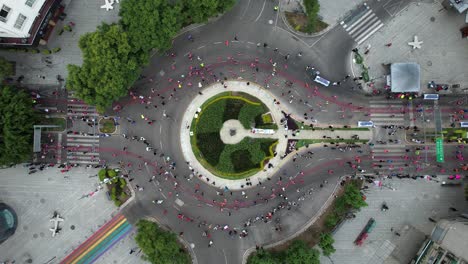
(230, 161)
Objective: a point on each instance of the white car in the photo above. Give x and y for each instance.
(149, 148)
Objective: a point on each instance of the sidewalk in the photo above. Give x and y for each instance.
(87, 15)
(443, 55)
(330, 12)
(281, 134)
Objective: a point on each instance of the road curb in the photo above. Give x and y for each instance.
(305, 35)
(301, 230)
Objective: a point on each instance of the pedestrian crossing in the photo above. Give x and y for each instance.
(82, 142)
(384, 112)
(362, 24)
(389, 158)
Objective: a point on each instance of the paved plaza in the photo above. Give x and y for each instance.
(410, 204)
(35, 197)
(443, 54)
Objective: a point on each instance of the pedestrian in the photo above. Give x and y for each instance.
(388, 44)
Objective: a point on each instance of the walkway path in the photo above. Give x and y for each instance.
(282, 134)
(101, 241)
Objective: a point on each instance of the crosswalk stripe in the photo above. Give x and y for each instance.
(370, 33)
(81, 136)
(367, 14)
(368, 22)
(382, 102)
(386, 105)
(366, 25)
(386, 114)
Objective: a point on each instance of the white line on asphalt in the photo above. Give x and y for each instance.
(352, 61)
(310, 163)
(320, 159)
(261, 11)
(370, 34)
(250, 43)
(246, 8)
(277, 15)
(176, 208)
(218, 42)
(201, 47)
(160, 141)
(225, 258)
(163, 195)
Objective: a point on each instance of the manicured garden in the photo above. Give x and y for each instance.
(107, 125)
(118, 190)
(237, 160)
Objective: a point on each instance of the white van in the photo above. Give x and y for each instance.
(322, 81)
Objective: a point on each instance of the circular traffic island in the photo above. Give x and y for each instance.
(222, 138)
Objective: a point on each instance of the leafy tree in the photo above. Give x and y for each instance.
(159, 246)
(312, 8)
(300, 253)
(6, 68)
(466, 192)
(326, 244)
(263, 257)
(353, 197)
(17, 118)
(109, 67)
(198, 11)
(331, 220)
(150, 23)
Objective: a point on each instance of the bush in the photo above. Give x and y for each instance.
(102, 174)
(117, 203)
(111, 173)
(45, 52)
(55, 50)
(326, 244)
(67, 28)
(123, 183)
(331, 220)
(33, 51)
(466, 192)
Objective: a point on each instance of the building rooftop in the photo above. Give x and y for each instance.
(453, 236)
(405, 77)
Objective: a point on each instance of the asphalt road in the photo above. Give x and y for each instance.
(307, 181)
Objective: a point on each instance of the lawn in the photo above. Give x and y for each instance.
(107, 126)
(299, 22)
(230, 161)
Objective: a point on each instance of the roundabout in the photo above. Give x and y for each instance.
(220, 137)
(183, 168)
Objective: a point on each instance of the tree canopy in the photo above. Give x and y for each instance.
(6, 68)
(300, 253)
(109, 67)
(159, 246)
(326, 244)
(263, 257)
(198, 11)
(312, 7)
(150, 23)
(17, 118)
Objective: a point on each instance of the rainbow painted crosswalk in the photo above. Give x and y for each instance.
(101, 241)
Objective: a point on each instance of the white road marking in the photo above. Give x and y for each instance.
(277, 15)
(201, 47)
(245, 11)
(261, 11)
(218, 42)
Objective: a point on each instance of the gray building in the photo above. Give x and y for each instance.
(448, 243)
